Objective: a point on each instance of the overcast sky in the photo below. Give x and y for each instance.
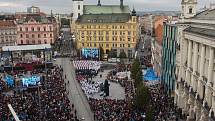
(64, 6)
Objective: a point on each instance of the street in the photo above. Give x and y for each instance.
(76, 96)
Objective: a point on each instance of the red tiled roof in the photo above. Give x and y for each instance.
(7, 23)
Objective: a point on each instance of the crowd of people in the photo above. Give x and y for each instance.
(162, 104)
(47, 101)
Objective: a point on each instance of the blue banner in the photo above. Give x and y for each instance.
(9, 80)
(30, 81)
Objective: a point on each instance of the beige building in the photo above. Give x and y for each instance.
(8, 33)
(195, 70)
(107, 26)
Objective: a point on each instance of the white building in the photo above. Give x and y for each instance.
(195, 70)
(33, 9)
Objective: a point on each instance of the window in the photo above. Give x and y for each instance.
(39, 41)
(50, 35)
(27, 36)
(45, 41)
(39, 35)
(129, 45)
(32, 28)
(129, 39)
(26, 28)
(190, 10)
(79, 14)
(21, 41)
(21, 36)
(38, 28)
(44, 35)
(20, 28)
(27, 41)
(33, 41)
(50, 28)
(79, 7)
(32, 35)
(44, 28)
(107, 45)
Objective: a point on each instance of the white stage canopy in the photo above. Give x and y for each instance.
(26, 47)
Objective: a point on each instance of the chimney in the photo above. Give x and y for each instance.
(99, 3)
(121, 4)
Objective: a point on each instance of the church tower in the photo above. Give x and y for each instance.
(77, 9)
(189, 8)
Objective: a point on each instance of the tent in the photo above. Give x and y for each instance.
(150, 77)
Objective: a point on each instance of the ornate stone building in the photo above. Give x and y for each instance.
(107, 26)
(36, 29)
(8, 33)
(195, 68)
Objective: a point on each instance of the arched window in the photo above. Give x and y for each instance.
(39, 36)
(32, 28)
(21, 36)
(39, 41)
(50, 35)
(44, 35)
(33, 41)
(32, 35)
(45, 41)
(21, 41)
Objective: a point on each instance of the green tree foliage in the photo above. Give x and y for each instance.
(112, 54)
(136, 67)
(101, 53)
(142, 99)
(122, 55)
(149, 114)
(65, 21)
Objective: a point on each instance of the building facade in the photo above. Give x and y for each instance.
(169, 57)
(36, 29)
(107, 26)
(8, 33)
(195, 88)
(33, 9)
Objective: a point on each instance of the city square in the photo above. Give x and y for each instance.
(107, 60)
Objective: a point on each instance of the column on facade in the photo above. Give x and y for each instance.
(195, 64)
(210, 77)
(202, 64)
(189, 61)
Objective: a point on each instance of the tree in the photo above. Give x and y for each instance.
(65, 21)
(149, 114)
(101, 53)
(122, 55)
(135, 68)
(112, 54)
(138, 79)
(142, 97)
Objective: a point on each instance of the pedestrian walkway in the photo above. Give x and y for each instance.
(75, 93)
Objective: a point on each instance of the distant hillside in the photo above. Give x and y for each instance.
(168, 13)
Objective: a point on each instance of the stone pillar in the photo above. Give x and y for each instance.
(195, 64)
(204, 115)
(197, 110)
(189, 61)
(210, 78)
(202, 63)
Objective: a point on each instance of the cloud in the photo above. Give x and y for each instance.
(65, 6)
(9, 4)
